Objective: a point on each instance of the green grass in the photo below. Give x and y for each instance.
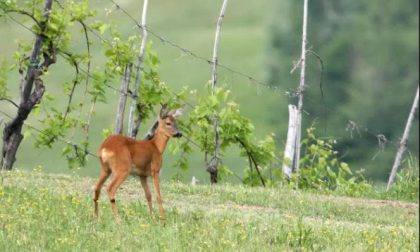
(42, 212)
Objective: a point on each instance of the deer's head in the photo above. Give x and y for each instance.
(167, 121)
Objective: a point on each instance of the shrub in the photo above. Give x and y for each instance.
(406, 185)
(320, 169)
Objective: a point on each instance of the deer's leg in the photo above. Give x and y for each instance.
(117, 180)
(143, 180)
(105, 172)
(159, 198)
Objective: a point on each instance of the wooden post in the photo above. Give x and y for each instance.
(404, 140)
(119, 120)
(212, 167)
(301, 86)
(133, 125)
(289, 152)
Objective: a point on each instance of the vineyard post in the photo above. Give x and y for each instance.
(301, 86)
(289, 152)
(119, 119)
(212, 166)
(134, 124)
(403, 144)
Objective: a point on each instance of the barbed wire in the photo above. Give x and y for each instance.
(186, 51)
(288, 93)
(93, 77)
(87, 73)
(68, 142)
(84, 149)
(352, 126)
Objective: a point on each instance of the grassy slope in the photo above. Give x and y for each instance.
(54, 213)
(190, 24)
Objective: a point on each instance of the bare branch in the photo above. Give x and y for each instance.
(321, 78)
(26, 14)
(75, 83)
(10, 101)
(251, 157)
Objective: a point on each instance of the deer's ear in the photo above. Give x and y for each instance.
(163, 111)
(176, 113)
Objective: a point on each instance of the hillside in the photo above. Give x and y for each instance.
(44, 212)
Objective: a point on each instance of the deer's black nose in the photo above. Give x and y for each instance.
(178, 135)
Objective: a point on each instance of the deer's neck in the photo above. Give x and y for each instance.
(160, 140)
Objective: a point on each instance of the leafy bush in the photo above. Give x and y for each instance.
(406, 186)
(320, 169)
(234, 130)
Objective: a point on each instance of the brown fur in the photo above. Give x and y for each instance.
(122, 156)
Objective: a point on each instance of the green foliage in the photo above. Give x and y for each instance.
(98, 89)
(20, 59)
(3, 80)
(357, 84)
(55, 126)
(153, 91)
(321, 170)
(251, 177)
(76, 155)
(303, 238)
(57, 37)
(406, 186)
(119, 53)
(262, 154)
(234, 130)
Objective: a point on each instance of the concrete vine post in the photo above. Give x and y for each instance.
(403, 144)
(290, 148)
(134, 124)
(301, 86)
(212, 166)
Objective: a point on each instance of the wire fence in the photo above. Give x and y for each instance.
(62, 140)
(186, 51)
(352, 126)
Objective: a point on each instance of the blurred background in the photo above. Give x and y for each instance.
(369, 50)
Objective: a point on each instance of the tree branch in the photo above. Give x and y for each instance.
(12, 133)
(75, 82)
(26, 14)
(10, 101)
(251, 158)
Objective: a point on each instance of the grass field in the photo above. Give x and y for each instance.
(44, 212)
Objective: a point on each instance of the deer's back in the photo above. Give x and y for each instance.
(137, 154)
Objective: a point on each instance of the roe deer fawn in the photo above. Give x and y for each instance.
(123, 156)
